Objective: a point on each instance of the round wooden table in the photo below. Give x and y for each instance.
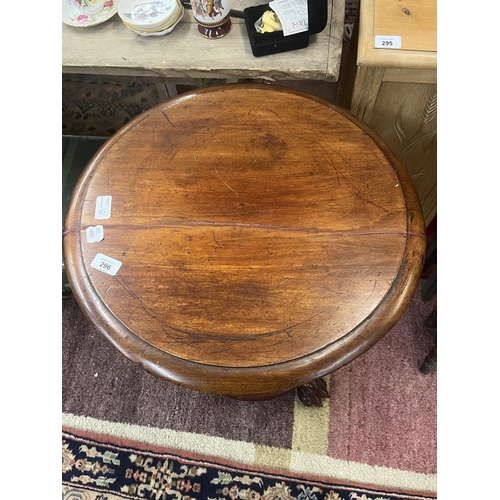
(244, 240)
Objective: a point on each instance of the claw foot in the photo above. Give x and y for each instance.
(311, 394)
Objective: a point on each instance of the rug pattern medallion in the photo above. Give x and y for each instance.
(93, 470)
(99, 108)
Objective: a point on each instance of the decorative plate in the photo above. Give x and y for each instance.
(85, 13)
(147, 14)
(163, 32)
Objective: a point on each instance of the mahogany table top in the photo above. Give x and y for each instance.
(254, 238)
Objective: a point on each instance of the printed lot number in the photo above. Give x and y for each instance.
(106, 264)
(387, 42)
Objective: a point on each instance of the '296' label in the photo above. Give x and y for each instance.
(106, 264)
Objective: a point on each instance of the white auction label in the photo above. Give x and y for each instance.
(106, 264)
(94, 233)
(103, 207)
(387, 42)
(293, 15)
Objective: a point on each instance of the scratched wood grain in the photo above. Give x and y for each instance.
(266, 238)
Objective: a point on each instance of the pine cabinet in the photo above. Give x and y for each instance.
(391, 84)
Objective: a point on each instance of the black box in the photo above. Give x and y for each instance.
(264, 44)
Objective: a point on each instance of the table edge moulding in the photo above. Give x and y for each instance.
(253, 381)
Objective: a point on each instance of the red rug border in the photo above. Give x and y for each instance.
(146, 447)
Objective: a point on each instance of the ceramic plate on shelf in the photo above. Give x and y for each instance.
(148, 14)
(85, 13)
(163, 32)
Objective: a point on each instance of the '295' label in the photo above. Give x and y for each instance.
(387, 42)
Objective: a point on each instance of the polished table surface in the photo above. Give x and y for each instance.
(256, 238)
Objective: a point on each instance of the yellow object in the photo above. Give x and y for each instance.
(268, 23)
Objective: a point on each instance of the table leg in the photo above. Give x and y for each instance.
(312, 394)
(430, 362)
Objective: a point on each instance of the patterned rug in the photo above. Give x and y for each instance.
(97, 468)
(93, 107)
(128, 433)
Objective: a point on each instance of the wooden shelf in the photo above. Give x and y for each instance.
(112, 49)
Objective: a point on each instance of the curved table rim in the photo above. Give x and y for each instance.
(266, 381)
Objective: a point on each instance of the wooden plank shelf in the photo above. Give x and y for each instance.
(183, 55)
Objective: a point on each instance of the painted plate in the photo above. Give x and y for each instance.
(163, 32)
(85, 13)
(147, 14)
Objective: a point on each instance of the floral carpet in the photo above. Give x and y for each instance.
(100, 108)
(128, 434)
(97, 469)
